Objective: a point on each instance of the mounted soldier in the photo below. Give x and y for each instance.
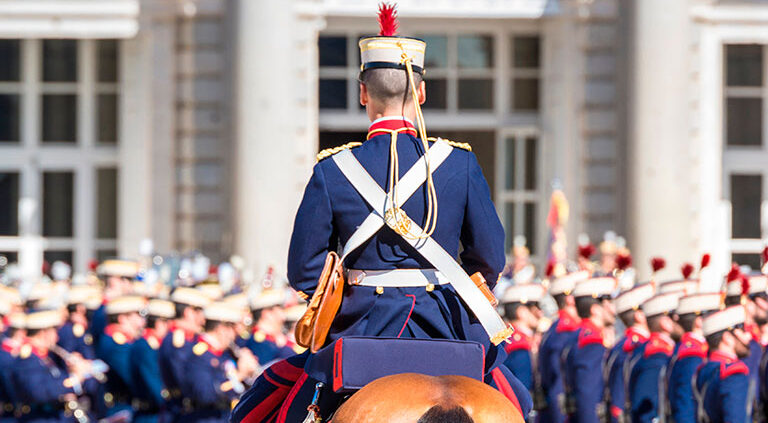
(400, 204)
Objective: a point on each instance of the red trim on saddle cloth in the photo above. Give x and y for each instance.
(566, 322)
(392, 123)
(291, 396)
(502, 385)
(338, 377)
(692, 346)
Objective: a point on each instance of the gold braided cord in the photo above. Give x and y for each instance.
(328, 152)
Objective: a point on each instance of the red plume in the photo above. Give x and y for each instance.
(744, 285)
(550, 268)
(705, 261)
(387, 20)
(586, 251)
(764, 254)
(623, 261)
(93, 264)
(657, 263)
(734, 273)
(687, 270)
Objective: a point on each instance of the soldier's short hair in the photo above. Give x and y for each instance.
(654, 323)
(561, 300)
(584, 306)
(389, 86)
(627, 317)
(687, 321)
(713, 340)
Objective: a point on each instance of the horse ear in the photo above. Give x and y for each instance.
(440, 414)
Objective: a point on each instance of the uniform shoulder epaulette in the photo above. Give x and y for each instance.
(25, 351)
(658, 347)
(692, 349)
(200, 348)
(731, 369)
(461, 145)
(119, 338)
(78, 330)
(153, 342)
(328, 152)
(259, 336)
(178, 338)
(589, 338)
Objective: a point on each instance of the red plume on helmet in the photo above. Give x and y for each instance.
(387, 20)
(734, 273)
(764, 255)
(744, 284)
(587, 251)
(705, 259)
(623, 261)
(550, 268)
(657, 263)
(687, 270)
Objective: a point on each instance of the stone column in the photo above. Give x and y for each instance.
(659, 164)
(276, 129)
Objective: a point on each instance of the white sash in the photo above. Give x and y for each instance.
(427, 247)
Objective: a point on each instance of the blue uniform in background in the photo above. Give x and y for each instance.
(8, 401)
(75, 338)
(562, 332)
(39, 382)
(209, 388)
(266, 349)
(173, 355)
(647, 378)
(583, 375)
(691, 353)
(519, 359)
(615, 366)
(753, 364)
(722, 385)
(148, 390)
(114, 348)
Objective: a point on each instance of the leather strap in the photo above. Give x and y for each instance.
(432, 251)
(396, 278)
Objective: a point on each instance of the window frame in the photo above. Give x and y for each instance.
(502, 119)
(31, 157)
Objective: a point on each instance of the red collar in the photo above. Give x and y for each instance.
(692, 345)
(723, 357)
(659, 343)
(566, 322)
(519, 340)
(391, 123)
(114, 328)
(633, 337)
(754, 330)
(206, 340)
(150, 333)
(189, 336)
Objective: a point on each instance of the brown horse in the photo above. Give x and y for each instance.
(417, 398)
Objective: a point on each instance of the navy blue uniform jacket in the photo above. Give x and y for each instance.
(723, 382)
(331, 211)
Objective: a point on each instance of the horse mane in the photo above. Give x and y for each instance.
(440, 414)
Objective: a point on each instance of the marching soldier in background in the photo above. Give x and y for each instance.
(646, 386)
(521, 309)
(176, 347)
(584, 357)
(148, 390)
(125, 325)
(269, 342)
(562, 332)
(690, 354)
(74, 335)
(636, 333)
(12, 338)
(217, 374)
(117, 276)
(46, 387)
(721, 385)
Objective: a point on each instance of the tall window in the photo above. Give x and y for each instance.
(59, 129)
(746, 151)
(483, 87)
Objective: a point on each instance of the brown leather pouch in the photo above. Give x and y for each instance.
(313, 327)
(481, 284)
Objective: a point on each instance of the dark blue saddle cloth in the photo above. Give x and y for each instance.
(352, 362)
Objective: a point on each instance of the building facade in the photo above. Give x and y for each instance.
(195, 123)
